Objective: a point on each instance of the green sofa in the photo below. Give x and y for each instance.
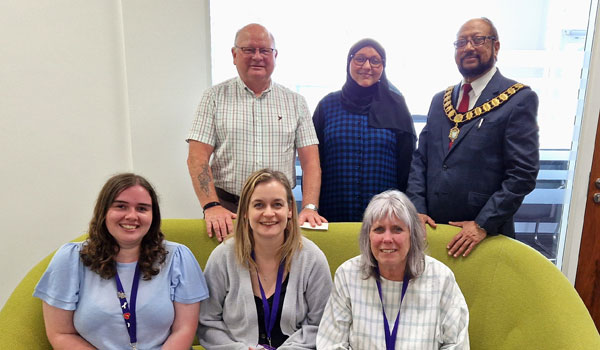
(517, 299)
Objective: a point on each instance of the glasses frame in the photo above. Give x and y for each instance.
(264, 51)
(358, 64)
(484, 38)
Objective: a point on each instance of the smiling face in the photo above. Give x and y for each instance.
(474, 61)
(365, 75)
(129, 217)
(254, 69)
(269, 211)
(390, 243)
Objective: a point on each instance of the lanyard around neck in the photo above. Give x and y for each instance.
(390, 339)
(271, 313)
(129, 309)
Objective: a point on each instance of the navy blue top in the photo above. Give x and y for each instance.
(357, 161)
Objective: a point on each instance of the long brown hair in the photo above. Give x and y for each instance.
(244, 239)
(100, 249)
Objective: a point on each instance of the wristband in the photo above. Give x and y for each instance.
(210, 205)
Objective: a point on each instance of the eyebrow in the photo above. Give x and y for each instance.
(125, 202)
(264, 201)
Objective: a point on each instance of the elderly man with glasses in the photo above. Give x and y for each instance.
(249, 123)
(478, 155)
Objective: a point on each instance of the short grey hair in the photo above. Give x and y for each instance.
(393, 204)
(237, 34)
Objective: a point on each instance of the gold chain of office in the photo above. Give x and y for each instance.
(476, 112)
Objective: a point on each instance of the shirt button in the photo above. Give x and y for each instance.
(445, 167)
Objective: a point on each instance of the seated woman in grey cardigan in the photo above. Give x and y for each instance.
(268, 284)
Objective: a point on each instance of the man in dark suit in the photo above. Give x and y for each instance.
(478, 155)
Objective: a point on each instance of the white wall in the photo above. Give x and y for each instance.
(167, 49)
(88, 89)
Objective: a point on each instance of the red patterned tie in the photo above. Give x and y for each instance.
(464, 103)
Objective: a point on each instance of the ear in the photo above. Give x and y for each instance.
(290, 214)
(233, 54)
(496, 49)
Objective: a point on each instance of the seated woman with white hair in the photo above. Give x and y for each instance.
(393, 296)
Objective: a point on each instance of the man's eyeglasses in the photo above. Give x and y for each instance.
(360, 60)
(264, 51)
(475, 41)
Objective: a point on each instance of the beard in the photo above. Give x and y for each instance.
(478, 70)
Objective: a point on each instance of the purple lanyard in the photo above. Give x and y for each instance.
(390, 339)
(129, 309)
(271, 314)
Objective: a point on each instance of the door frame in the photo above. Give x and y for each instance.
(585, 153)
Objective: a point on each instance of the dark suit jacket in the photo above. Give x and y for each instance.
(490, 168)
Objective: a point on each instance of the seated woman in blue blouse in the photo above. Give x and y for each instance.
(268, 284)
(393, 296)
(366, 136)
(125, 286)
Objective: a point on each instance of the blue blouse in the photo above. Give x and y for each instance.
(357, 161)
(68, 284)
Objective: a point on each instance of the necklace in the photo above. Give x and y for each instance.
(458, 118)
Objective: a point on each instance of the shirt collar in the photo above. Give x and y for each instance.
(480, 83)
(243, 85)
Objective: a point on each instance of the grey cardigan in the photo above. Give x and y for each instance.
(228, 318)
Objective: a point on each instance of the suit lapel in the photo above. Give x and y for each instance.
(492, 89)
(448, 124)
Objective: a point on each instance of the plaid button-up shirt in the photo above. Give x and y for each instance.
(249, 133)
(434, 313)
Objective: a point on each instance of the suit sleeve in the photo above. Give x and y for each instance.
(521, 164)
(405, 149)
(416, 188)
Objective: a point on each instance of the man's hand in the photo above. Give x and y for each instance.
(425, 219)
(312, 216)
(466, 240)
(219, 221)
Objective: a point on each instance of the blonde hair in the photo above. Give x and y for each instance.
(244, 239)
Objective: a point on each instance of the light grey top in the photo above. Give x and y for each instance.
(228, 319)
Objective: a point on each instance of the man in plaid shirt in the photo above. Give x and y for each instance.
(248, 123)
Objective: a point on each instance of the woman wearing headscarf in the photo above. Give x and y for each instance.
(366, 136)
